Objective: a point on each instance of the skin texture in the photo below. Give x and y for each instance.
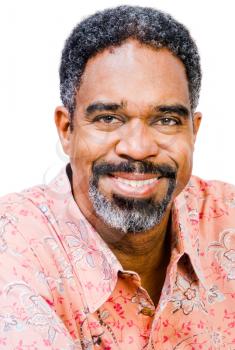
(141, 80)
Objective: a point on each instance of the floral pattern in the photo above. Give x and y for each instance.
(224, 252)
(61, 287)
(186, 296)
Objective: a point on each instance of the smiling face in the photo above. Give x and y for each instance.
(132, 144)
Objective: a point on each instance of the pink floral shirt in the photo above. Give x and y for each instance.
(61, 288)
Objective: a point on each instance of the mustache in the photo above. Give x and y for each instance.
(141, 167)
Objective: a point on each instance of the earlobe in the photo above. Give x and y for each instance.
(197, 118)
(62, 121)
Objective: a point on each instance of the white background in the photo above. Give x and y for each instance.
(32, 37)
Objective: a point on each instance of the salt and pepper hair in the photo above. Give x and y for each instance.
(112, 27)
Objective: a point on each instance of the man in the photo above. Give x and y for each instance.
(124, 249)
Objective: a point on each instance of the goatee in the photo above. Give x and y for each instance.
(131, 214)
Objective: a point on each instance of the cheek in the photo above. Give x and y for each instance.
(88, 146)
(184, 159)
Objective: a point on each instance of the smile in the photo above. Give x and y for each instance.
(133, 185)
(136, 183)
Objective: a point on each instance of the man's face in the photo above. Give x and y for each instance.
(132, 144)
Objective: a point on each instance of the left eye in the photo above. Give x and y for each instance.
(167, 121)
(107, 119)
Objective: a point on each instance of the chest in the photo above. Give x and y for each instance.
(188, 317)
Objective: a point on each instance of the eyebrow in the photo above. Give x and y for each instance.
(99, 107)
(177, 109)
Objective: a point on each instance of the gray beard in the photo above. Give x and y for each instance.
(127, 214)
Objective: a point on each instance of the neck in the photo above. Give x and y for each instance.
(147, 254)
(144, 252)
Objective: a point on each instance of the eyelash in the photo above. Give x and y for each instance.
(106, 116)
(176, 120)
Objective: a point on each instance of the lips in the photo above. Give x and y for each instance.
(136, 180)
(135, 176)
(133, 184)
(136, 183)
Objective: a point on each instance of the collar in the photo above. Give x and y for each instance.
(186, 228)
(94, 263)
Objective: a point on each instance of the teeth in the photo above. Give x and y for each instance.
(136, 183)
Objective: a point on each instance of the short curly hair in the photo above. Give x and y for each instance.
(112, 27)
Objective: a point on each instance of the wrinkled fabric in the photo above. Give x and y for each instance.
(61, 287)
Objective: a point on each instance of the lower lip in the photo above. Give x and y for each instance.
(131, 191)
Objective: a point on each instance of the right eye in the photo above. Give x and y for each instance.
(107, 119)
(108, 122)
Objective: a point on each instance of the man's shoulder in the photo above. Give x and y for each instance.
(212, 204)
(22, 213)
(210, 189)
(29, 198)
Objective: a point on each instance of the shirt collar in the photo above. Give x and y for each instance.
(186, 226)
(98, 261)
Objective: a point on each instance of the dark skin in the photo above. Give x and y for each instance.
(133, 103)
(151, 266)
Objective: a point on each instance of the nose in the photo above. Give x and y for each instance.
(137, 141)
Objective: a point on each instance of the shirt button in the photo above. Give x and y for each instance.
(147, 311)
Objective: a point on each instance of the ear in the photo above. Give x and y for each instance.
(62, 121)
(197, 118)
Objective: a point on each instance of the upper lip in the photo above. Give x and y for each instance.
(136, 176)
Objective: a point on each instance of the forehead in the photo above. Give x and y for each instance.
(140, 75)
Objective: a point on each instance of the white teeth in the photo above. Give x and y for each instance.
(136, 183)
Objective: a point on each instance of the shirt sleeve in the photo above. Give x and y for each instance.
(27, 320)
